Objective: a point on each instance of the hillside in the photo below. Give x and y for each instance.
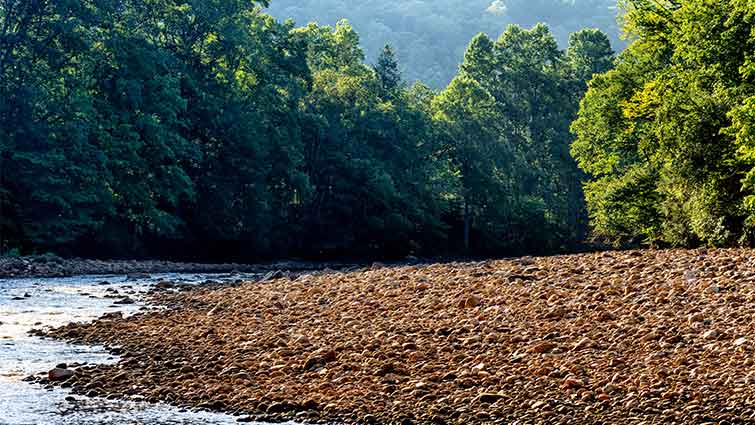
(430, 36)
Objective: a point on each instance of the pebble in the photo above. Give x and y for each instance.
(543, 347)
(572, 383)
(471, 301)
(538, 404)
(589, 338)
(489, 397)
(583, 343)
(59, 374)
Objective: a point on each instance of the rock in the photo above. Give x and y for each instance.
(409, 346)
(570, 383)
(489, 397)
(543, 347)
(276, 274)
(616, 362)
(423, 286)
(650, 336)
(583, 343)
(59, 374)
(117, 315)
(280, 407)
(319, 358)
(164, 284)
(555, 313)
(124, 301)
(470, 301)
(711, 334)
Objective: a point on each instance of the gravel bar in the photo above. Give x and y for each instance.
(657, 336)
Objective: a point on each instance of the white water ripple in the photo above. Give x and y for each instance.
(37, 303)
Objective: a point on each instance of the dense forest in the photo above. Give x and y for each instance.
(430, 36)
(211, 129)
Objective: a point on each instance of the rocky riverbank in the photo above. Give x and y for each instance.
(54, 266)
(630, 337)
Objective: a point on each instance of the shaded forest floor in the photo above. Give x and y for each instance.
(614, 337)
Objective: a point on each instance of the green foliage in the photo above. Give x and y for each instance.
(208, 129)
(507, 119)
(430, 37)
(365, 150)
(678, 105)
(387, 70)
(49, 164)
(589, 53)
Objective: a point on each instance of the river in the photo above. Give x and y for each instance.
(35, 303)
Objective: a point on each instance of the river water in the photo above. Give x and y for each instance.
(35, 303)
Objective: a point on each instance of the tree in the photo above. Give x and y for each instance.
(589, 53)
(468, 113)
(534, 92)
(366, 153)
(430, 37)
(208, 129)
(387, 70)
(51, 172)
(666, 129)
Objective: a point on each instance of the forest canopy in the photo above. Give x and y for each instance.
(668, 136)
(210, 129)
(430, 36)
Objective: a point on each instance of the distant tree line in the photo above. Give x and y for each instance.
(208, 129)
(430, 36)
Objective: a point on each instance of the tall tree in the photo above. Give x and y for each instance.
(535, 91)
(469, 115)
(589, 53)
(387, 70)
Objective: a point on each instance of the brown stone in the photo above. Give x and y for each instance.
(418, 343)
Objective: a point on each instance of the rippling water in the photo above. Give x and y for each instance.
(35, 303)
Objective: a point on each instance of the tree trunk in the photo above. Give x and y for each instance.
(466, 225)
